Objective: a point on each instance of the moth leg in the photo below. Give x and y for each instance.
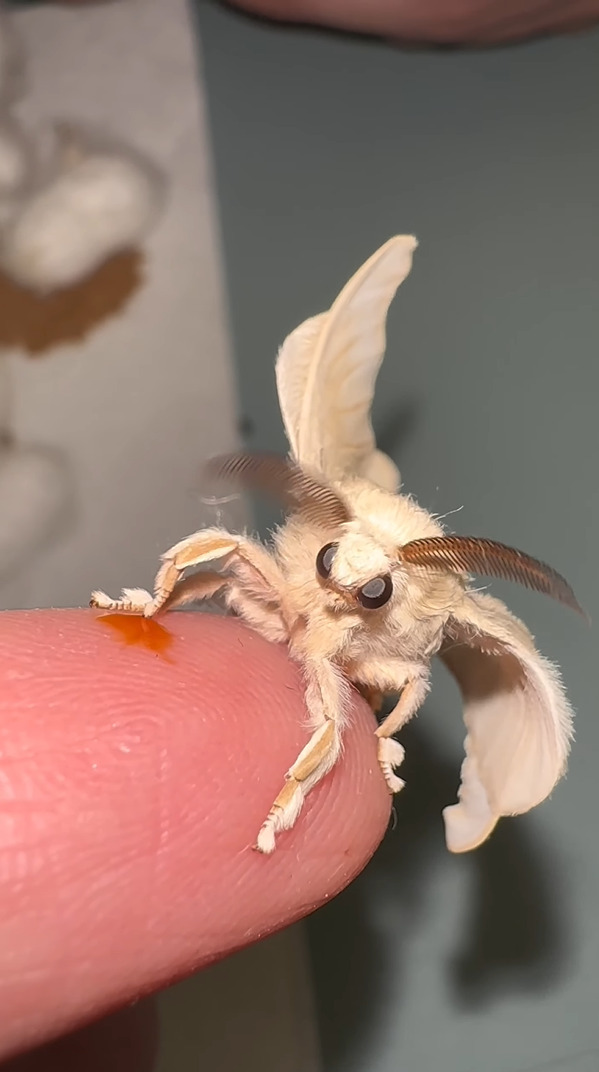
(391, 755)
(132, 601)
(264, 617)
(249, 560)
(327, 698)
(135, 600)
(390, 752)
(197, 586)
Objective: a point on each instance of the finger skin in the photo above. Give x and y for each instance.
(136, 767)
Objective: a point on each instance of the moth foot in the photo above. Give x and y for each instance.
(313, 762)
(282, 816)
(132, 601)
(265, 842)
(391, 755)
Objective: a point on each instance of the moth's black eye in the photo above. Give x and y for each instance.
(324, 560)
(375, 593)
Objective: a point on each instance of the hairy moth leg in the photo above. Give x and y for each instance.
(132, 600)
(254, 608)
(204, 546)
(391, 755)
(191, 589)
(390, 752)
(135, 600)
(254, 568)
(327, 698)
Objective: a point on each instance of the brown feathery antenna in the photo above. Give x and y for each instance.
(271, 474)
(465, 554)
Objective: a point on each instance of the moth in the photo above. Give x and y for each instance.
(365, 586)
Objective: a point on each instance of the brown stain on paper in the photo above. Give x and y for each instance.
(37, 323)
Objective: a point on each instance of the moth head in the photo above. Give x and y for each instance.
(356, 571)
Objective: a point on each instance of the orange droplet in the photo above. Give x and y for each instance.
(135, 629)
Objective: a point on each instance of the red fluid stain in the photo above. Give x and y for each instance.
(134, 629)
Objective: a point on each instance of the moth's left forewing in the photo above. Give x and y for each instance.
(517, 716)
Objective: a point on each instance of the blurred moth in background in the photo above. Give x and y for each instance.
(365, 586)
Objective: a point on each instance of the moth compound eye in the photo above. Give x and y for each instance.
(324, 560)
(375, 593)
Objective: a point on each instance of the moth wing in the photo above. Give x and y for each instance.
(292, 370)
(327, 368)
(517, 716)
(379, 468)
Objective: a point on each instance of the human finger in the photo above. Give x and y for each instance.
(138, 762)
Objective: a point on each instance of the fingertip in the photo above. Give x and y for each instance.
(141, 762)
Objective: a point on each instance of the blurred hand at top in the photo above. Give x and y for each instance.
(456, 22)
